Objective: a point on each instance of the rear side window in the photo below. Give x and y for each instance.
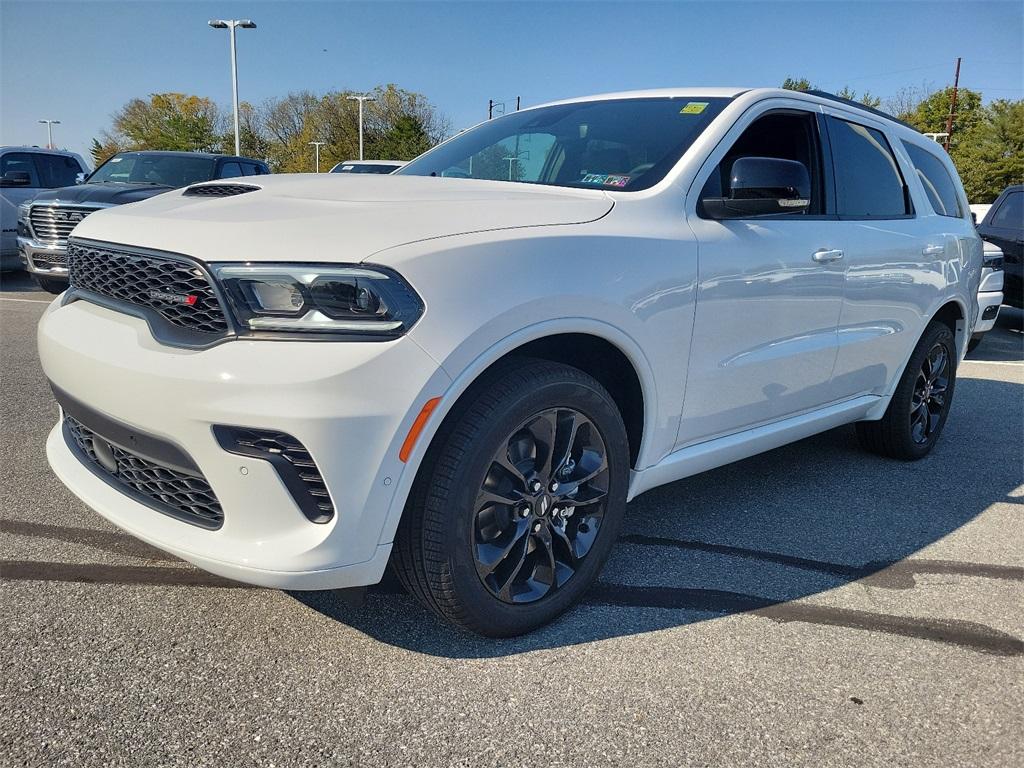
(230, 170)
(1011, 212)
(868, 180)
(937, 182)
(57, 170)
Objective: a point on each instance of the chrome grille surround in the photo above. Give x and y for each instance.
(53, 223)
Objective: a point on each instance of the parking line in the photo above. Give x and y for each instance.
(996, 362)
(26, 301)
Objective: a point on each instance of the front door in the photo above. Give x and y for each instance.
(769, 290)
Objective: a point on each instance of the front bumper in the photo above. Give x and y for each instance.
(990, 297)
(46, 259)
(350, 404)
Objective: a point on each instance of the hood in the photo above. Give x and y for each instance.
(335, 217)
(106, 193)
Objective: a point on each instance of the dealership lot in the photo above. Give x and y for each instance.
(814, 605)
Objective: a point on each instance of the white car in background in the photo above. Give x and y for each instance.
(368, 166)
(291, 382)
(990, 293)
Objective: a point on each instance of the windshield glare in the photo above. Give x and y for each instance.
(165, 170)
(616, 144)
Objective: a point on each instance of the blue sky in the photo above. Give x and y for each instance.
(79, 62)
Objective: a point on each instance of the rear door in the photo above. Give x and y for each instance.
(764, 338)
(12, 197)
(895, 254)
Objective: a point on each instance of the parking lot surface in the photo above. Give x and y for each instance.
(815, 605)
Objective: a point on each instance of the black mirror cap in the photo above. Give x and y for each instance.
(763, 186)
(15, 179)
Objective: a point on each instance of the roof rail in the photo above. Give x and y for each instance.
(858, 105)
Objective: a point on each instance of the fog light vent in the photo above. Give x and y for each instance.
(291, 460)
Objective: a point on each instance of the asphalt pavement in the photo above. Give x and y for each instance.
(814, 605)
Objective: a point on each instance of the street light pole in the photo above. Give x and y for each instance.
(318, 144)
(49, 131)
(361, 99)
(231, 25)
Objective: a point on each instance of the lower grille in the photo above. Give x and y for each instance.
(186, 497)
(176, 289)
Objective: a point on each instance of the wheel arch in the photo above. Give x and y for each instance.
(597, 348)
(953, 314)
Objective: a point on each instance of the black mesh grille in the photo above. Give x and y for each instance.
(186, 497)
(177, 289)
(219, 190)
(298, 470)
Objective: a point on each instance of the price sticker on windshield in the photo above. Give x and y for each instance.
(693, 108)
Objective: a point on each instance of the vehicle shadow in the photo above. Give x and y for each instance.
(1005, 342)
(758, 534)
(20, 282)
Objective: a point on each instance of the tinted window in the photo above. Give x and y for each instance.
(230, 170)
(938, 184)
(868, 181)
(57, 170)
(20, 162)
(616, 144)
(158, 170)
(251, 169)
(786, 136)
(1011, 212)
(364, 168)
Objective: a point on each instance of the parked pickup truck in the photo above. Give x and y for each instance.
(45, 221)
(293, 380)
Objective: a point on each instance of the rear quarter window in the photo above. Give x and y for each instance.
(938, 184)
(869, 184)
(1010, 214)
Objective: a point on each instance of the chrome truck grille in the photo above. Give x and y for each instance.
(53, 223)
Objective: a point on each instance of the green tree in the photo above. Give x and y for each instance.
(865, 98)
(798, 84)
(403, 141)
(930, 114)
(990, 155)
(172, 121)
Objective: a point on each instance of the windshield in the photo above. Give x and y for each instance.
(163, 170)
(352, 168)
(618, 144)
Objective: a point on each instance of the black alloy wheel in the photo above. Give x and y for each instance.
(540, 506)
(928, 403)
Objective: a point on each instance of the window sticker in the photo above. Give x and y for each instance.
(693, 108)
(116, 159)
(594, 178)
(616, 181)
(609, 180)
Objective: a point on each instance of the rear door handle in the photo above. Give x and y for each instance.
(823, 255)
(934, 250)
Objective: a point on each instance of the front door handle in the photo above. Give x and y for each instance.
(823, 255)
(934, 250)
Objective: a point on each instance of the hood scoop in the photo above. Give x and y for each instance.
(218, 190)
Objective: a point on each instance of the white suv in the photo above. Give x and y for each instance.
(469, 367)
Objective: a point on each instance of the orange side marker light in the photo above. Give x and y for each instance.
(417, 427)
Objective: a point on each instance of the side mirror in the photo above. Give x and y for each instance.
(762, 186)
(15, 179)
(81, 177)
(974, 218)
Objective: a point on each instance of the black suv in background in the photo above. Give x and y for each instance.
(1004, 226)
(45, 221)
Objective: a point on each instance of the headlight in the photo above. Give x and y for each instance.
(337, 301)
(23, 211)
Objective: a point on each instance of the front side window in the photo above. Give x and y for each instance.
(230, 170)
(614, 144)
(937, 183)
(158, 170)
(1011, 212)
(868, 180)
(784, 135)
(19, 162)
(57, 170)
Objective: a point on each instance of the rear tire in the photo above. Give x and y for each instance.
(51, 285)
(503, 569)
(917, 412)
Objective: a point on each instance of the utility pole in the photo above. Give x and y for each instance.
(317, 144)
(490, 108)
(952, 105)
(517, 103)
(49, 131)
(231, 25)
(361, 98)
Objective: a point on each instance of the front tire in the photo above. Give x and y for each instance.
(518, 502)
(917, 412)
(51, 285)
